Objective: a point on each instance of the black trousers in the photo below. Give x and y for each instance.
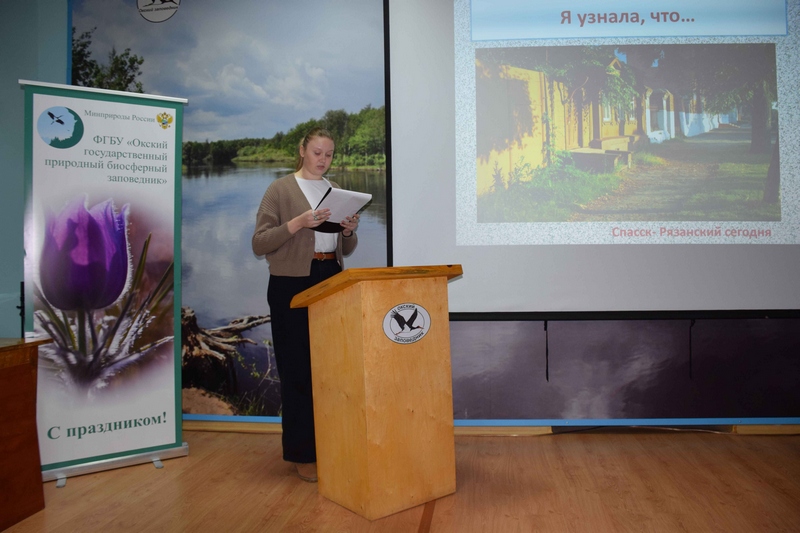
(293, 357)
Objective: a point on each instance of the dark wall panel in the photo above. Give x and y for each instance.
(621, 369)
(626, 369)
(747, 368)
(498, 369)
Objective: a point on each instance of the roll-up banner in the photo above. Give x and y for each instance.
(102, 274)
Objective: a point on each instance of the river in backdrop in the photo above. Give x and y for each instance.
(223, 280)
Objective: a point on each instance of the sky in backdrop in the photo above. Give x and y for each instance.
(249, 68)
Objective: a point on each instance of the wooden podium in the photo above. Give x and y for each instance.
(383, 401)
(21, 487)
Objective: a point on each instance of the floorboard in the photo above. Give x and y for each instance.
(612, 480)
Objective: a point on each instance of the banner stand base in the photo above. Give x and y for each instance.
(119, 462)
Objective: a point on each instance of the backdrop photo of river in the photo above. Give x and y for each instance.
(224, 281)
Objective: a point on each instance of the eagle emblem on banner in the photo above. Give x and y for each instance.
(164, 120)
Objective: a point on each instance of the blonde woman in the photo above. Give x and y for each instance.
(299, 256)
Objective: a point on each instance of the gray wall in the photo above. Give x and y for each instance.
(35, 42)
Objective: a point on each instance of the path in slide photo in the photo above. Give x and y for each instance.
(675, 191)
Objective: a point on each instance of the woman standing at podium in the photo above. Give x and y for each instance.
(299, 257)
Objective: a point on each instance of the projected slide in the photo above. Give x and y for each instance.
(599, 156)
(606, 140)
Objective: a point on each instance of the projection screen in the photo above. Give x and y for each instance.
(598, 160)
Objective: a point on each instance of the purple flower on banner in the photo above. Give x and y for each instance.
(85, 260)
(92, 302)
(95, 306)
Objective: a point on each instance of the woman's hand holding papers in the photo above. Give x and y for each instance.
(310, 219)
(349, 224)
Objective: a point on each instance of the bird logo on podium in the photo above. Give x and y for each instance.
(406, 323)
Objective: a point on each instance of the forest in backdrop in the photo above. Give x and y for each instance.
(360, 142)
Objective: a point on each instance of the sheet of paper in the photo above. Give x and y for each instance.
(343, 203)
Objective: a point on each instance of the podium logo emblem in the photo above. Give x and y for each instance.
(406, 323)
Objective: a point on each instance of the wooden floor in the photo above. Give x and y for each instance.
(609, 481)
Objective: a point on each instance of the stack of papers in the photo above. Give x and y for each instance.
(342, 203)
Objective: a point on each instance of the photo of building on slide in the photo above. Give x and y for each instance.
(627, 133)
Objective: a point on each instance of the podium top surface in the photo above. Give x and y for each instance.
(351, 276)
